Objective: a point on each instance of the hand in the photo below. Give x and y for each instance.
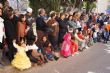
(53, 24)
(14, 40)
(27, 29)
(49, 44)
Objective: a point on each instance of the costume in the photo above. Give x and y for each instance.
(66, 48)
(21, 61)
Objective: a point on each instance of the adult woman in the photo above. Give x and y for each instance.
(71, 23)
(53, 36)
(62, 27)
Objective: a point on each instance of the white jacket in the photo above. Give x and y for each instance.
(2, 29)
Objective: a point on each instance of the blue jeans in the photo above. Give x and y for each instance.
(95, 40)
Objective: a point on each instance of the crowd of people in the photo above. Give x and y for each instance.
(26, 40)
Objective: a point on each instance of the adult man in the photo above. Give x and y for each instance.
(30, 23)
(2, 33)
(41, 20)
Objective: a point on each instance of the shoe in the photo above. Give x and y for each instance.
(87, 47)
(72, 55)
(77, 53)
(56, 58)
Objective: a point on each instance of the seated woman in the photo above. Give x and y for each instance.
(33, 51)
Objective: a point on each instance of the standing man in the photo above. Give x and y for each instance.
(10, 33)
(2, 32)
(41, 20)
(30, 20)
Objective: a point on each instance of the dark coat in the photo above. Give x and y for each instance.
(62, 29)
(41, 25)
(55, 28)
(9, 29)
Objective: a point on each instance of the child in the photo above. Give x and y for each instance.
(90, 41)
(74, 46)
(22, 26)
(21, 60)
(47, 48)
(33, 51)
(82, 44)
(66, 49)
(95, 36)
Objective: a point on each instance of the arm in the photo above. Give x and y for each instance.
(76, 36)
(18, 32)
(40, 22)
(15, 45)
(35, 53)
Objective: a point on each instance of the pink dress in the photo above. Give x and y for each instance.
(66, 49)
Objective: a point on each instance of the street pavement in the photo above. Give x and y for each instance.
(96, 59)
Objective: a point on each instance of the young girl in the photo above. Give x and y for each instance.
(21, 26)
(66, 49)
(47, 48)
(74, 46)
(20, 61)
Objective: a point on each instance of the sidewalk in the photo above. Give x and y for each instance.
(51, 67)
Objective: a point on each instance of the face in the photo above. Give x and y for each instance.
(63, 16)
(29, 14)
(76, 30)
(23, 44)
(44, 39)
(54, 16)
(70, 18)
(11, 17)
(24, 19)
(0, 12)
(43, 12)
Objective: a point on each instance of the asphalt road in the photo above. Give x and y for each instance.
(93, 60)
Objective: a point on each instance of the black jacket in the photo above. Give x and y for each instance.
(62, 25)
(9, 29)
(41, 25)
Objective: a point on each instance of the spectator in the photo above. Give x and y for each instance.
(30, 20)
(21, 60)
(21, 26)
(53, 36)
(106, 35)
(62, 27)
(2, 34)
(40, 21)
(33, 51)
(66, 49)
(10, 33)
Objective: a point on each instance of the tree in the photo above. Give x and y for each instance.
(90, 4)
(48, 5)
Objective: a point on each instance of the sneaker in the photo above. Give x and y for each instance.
(72, 55)
(77, 53)
(87, 47)
(56, 58)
